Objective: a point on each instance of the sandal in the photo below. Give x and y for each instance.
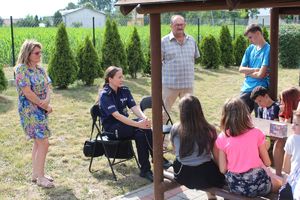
(44, 183)
(46, 176)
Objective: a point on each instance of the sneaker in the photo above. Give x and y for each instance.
(147, 175)
(166, 163)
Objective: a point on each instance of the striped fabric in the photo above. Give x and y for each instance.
(178, 61)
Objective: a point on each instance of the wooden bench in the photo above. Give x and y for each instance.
(224, 192)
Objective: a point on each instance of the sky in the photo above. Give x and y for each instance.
(22, 8)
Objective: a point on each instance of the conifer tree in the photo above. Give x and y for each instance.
(88, 63)
(147, 68)
(225, 43)
(62, 66)
(210, 52)
(266, 34)
(3, 80)
(113, 52)
(57, 18)
(135, 54)
(239, 47)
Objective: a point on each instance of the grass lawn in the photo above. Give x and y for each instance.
(71, 124)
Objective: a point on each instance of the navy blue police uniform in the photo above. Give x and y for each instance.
(110, 102)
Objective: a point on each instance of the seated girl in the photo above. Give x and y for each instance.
(193, 141)
(291, 164)
(243, 156)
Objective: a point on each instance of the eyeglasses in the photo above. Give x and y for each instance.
(177, 25)
(37, 53)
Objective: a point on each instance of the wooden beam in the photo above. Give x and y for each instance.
(232, 4)
(289, 11)
(274, 29)
(212, 5)
(156, 89)
(126, 9)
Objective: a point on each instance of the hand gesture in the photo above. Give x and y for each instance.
(49, 109)
(144, 124)
(44, 103)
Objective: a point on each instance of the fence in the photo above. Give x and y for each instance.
(15, 31)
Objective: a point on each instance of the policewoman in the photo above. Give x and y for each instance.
(114, 99)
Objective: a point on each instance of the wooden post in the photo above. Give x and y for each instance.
(156, 88)
(274, 53)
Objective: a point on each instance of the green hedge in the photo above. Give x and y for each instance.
(289, 46)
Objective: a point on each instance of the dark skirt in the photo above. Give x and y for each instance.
(198, 177)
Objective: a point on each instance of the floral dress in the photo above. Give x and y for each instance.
(34, 119)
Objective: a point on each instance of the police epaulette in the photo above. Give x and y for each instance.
(124, 88)
(107, 90)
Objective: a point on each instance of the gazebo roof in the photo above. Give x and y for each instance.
(160, 6)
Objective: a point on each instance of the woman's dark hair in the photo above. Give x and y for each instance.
(193, 128)
(110, 72)
(235, 119)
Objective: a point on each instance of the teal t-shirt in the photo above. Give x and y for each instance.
(254, 58)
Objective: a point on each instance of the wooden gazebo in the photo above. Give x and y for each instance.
(154, 8)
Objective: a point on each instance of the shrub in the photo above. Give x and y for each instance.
(289, 46)
(239, 48)
(135, 55)
(226, 48)
(62, 66)
(266, 34)
(113, 52)
(88, 63)
(147, 68)
(210, 52)
(3, 80)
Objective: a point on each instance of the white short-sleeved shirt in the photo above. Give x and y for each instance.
(292, 147)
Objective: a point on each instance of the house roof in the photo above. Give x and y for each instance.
(160, 6)
(264, 12)
(66, 12)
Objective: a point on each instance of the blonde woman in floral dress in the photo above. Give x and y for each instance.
(34, 106)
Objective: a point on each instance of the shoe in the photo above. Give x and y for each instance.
(44, 183)
(46, 176)
(166, 163)
(147, 175)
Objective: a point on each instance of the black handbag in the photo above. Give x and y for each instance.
(93, 148)
(119, 149)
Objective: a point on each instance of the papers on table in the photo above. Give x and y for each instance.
(273, 128)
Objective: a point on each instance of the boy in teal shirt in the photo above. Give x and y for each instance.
(255, 64)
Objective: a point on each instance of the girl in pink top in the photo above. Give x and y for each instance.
(243, 156)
